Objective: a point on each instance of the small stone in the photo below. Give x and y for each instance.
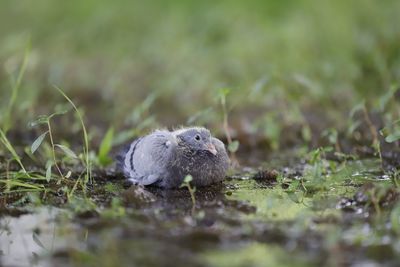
(266, 175)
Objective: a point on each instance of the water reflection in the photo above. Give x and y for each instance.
(26, 239)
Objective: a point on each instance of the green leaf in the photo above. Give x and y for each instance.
(38, 142)
(67, 151)
(105, 147)
(188, 179)
(43, 119)
(223, 92)
(61, 109)
(234, 146)
(48, 172)
(392, 137)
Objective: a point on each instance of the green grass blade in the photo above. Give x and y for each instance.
(105, 147)
(67, 151)
(15, 90)
(12, 183)
(85, 135)
(38, 142)
(4, 140)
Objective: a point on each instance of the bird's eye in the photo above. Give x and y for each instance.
(197, 137)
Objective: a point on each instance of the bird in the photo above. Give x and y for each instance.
(164, 158)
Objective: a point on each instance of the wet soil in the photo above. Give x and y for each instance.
(254, 218)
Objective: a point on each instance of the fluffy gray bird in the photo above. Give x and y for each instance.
(164, 158)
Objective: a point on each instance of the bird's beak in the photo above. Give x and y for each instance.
(211, 148)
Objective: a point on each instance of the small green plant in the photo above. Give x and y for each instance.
(362, 107)
(332, 135)
(320, 174)
(192, 190)
(391, 132)
(318, 161)
(20, 180)
(69, 154)
(87, 160)
(296, 191)
(105, 147)
(46, 120)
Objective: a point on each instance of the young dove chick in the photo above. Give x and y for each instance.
(164, 158)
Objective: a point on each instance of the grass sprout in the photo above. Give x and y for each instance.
(4, 140)
(88, 176)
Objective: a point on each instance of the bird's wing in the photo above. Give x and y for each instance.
(148, 157)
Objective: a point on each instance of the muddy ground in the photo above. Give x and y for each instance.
(273, 214)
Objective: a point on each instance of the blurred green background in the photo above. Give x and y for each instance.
(147, 63)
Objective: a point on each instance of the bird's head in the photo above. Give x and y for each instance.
(197, 140)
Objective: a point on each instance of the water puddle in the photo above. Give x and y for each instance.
(30, 239)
